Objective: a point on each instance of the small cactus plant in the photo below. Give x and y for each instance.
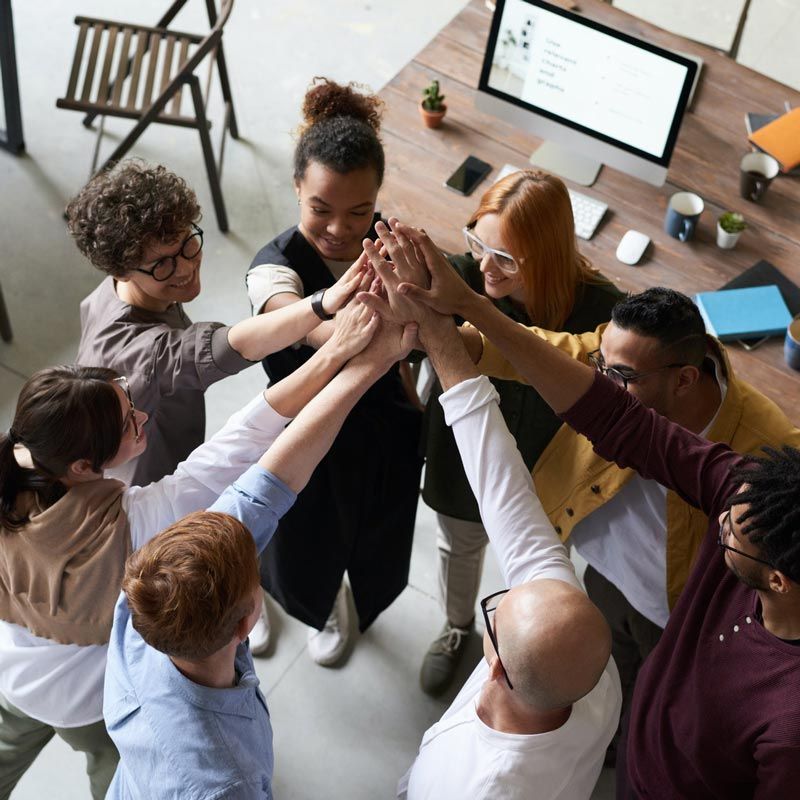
(432, 100)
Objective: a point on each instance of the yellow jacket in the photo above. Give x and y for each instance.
(572, 480)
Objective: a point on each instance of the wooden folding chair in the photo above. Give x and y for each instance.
(136, 72)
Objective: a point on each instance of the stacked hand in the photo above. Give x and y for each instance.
(351, 282)
(355, 323)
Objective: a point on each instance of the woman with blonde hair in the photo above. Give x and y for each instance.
(524, 257)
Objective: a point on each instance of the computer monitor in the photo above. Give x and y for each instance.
(598, 95)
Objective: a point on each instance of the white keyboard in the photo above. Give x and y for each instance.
(587, 212)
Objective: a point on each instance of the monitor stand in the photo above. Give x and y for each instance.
(566, 163)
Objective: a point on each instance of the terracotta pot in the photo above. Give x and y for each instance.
(432, 119)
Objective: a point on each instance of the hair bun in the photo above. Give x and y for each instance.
(326, 99)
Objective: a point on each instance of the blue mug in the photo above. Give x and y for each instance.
(791, 344)
(683, 211)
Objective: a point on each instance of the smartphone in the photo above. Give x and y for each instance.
(471, 172)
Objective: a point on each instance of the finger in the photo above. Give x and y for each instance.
(396, 253)
(382, 268)
(408, 338)
(375, 303)
(416, 293)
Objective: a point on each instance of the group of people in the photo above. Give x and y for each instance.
(136, 555)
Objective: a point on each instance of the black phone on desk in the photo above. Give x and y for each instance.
(468, 175)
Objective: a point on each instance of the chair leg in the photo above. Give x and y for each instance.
(96, 153)
(5, 321)
(226, 91)
(208, 155)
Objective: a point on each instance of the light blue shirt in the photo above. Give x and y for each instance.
(178, 739)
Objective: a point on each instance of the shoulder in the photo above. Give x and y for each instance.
(761, 421)
(278, 250)
(469, 269)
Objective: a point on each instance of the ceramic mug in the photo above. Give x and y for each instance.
(791, 344)
(683, 211)
(755, 175)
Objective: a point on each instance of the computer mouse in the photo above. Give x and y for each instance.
(631, 247)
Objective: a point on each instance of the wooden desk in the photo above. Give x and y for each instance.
(706, 160)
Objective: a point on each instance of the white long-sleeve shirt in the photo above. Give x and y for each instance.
(460, 756)
(62, 684)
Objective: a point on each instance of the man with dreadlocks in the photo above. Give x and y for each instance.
(715, 711)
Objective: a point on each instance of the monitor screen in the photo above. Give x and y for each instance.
(591, 78)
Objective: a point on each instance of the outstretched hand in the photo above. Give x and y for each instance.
(356, 324)
(447, 293)
(358, 276)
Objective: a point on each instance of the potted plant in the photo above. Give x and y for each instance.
(432, 107)
(729, 228)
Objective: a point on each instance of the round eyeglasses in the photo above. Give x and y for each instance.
(618, 376)
(725, 528)
(165, 267)
(502, 260)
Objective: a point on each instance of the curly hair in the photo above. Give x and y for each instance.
(773, 516)
(120, 212)
(340, 129)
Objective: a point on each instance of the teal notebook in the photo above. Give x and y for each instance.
(744, 313)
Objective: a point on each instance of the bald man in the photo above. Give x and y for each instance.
(536, 716)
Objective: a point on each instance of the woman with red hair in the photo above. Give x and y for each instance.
(524, 257)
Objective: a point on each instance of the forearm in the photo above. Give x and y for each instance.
(320, 334)
(299, 449)
(447, 352)
(290, 395)
(257, 337)
(558, 378)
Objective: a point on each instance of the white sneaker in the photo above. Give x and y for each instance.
(260, 635)
(327, 646)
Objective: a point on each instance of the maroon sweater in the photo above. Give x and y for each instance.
(716, 709)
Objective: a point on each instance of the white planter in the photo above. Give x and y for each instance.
(726, 240)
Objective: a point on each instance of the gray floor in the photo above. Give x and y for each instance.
(355, 728)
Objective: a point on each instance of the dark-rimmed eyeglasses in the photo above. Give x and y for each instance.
(726, 528)
(623, 378)
(489, 606)
(123, 382)
(164, 268)
(503, 261)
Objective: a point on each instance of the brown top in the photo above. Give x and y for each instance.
(60, 576)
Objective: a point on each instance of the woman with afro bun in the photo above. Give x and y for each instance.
(357, 512)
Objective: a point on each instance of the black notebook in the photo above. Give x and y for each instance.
(763, 273)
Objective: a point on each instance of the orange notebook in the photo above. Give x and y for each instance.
(781, 139)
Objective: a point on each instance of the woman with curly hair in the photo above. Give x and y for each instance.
(357, 512)
(138, 224)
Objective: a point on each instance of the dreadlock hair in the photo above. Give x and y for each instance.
(772, 493)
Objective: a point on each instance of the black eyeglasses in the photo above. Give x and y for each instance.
(489, 608)
(165, 267)
(623, 378)
(123, 382)
(725, 528)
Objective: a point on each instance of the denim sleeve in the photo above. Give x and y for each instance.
(258, 499)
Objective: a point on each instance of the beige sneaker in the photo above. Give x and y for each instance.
(261, 633)
(327, 646)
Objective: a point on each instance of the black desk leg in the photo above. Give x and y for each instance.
(10, 139)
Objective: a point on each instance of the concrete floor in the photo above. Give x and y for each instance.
(357, 727)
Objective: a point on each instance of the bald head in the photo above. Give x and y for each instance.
(553, 641)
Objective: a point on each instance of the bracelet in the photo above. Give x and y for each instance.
(316, 305)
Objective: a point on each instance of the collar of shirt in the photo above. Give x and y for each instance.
(239, 700)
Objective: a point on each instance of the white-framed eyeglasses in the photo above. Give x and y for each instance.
(502, 260)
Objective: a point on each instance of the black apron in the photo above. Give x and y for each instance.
(357, 512)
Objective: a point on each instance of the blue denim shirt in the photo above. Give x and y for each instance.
(178, 739)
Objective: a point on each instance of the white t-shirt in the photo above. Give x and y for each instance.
(264, 281)
(460, 757)
(625, 539)
(62, 684)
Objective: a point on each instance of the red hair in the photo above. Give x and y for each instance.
(538, 230)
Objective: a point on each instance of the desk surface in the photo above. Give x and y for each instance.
(706, 160)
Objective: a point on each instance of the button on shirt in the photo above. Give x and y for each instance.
(178, 739)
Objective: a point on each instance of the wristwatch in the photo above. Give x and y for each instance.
(316, 305)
